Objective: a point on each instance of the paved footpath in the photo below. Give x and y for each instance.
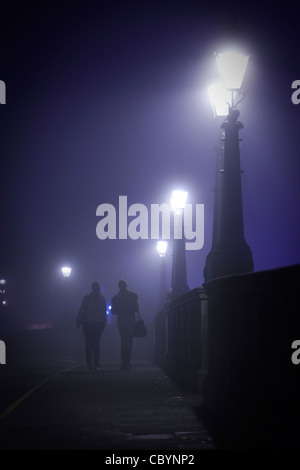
(53, 404)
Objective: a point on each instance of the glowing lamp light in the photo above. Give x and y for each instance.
(178, 200)
(232, 67)
(161, 247)
(2, 282)
(219, 98)
(66, 271)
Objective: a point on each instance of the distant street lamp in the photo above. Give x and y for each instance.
(230, 253)
(179, 276)
(66, 272)
(162, 247)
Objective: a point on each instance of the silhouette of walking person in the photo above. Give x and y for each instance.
(92, 317)
(125, 306)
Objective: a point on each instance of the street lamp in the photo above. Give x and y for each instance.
(178, 201)
(219, 98)
(232, 67)
(230, 253)
(162, 247)
(179, 277)
(66, 272)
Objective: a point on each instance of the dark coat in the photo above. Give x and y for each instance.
(92, 310)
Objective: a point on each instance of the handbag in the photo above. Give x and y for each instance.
(140, 330)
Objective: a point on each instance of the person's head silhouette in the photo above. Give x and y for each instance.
(95, 287)
(122, 285)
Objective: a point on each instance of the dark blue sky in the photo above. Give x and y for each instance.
(110, 98)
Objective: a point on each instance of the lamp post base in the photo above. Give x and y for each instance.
(226, 262)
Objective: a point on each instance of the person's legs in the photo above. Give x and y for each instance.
(126, 326)
(122, 339)
(97, 333)
(88, 335)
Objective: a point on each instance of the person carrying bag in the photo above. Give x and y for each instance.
(125, 306)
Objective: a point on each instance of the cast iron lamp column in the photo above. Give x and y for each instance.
(231, 254)
(217, 94)
(66, 272)
(179, 276)
(161, 247)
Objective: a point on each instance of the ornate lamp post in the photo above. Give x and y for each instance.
(230, 254)
(218, 97)
(179, 277)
